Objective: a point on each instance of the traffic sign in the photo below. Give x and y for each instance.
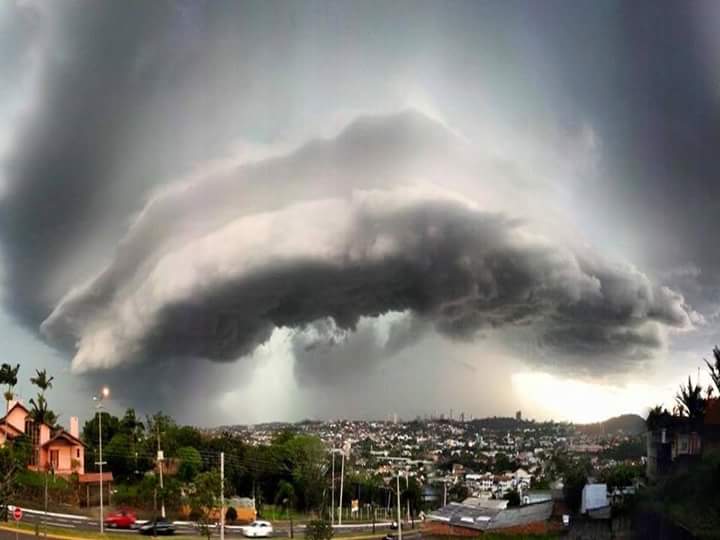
(17, 513)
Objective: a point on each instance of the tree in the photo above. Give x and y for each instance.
(714, 369)
(39, 411)
(318, 529)
(285, 497)
(41, 380)
(188, 436)
(131, 425)
(458, 492)
(119, 459)
(203, 498)
(8, 377)
(689, 399)
(574, 480)
(91, 429)
(620, 475)
(190, 463)
(306, 460)
(655, 417)
(8, 470)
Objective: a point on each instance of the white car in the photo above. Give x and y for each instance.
(258, 529)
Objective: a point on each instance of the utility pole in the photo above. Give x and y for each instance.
(332, 491)
(407, 490)
(46, 503)
(105, 392)
(342, 478)
(444, 492)
(399, 516)
(100, 463)
(160, 458)
(222, 495)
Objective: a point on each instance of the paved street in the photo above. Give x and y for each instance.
(70, 522)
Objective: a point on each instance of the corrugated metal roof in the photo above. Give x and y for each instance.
(491, 518)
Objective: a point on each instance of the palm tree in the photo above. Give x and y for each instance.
(8, 376)
(40, 412)
(655, 417)
(41, 380)
(690, 401)
(714, 369)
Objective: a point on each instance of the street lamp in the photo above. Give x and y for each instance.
(104, 393)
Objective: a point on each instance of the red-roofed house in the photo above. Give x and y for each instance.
(56, 449)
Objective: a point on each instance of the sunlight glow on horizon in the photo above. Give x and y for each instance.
(579, 401)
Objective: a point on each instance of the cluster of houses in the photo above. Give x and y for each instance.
(489, 485)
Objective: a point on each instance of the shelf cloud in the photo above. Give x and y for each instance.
(211, 267)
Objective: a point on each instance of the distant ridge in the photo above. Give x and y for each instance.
(630, 424)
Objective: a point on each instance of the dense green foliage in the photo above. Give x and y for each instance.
(318, 530)
(633, 449)
(204, 497)
(691, 497)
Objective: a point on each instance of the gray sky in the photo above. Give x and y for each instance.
(246, 211)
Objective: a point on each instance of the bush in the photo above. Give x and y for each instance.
(513, 498)
(319, 529)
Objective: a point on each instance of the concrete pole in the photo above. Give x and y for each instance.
(332, 491)
(407, 489)
(342, 479)
(399, 516)
(160, 458)
(222, 495)
(100, 463)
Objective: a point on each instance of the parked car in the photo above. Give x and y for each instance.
(124, 519)
(258, 529)
(157, 526)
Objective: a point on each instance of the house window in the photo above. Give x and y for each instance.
(55, 459)
(32, 430)
(77, 453)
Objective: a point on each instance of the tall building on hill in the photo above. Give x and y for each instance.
(518, 415)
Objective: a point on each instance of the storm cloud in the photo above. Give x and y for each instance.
(215, 279)
(552, 200)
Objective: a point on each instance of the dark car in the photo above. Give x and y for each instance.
(157, 526)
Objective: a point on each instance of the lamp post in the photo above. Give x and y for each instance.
(104, 393)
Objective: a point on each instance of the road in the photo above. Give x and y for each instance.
(72, 522)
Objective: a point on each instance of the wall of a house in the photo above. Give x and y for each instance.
(16, 418)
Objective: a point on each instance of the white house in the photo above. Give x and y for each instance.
(522, 478)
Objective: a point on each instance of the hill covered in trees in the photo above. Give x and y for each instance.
(630, 424)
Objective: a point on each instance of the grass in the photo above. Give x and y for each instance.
(64, 534)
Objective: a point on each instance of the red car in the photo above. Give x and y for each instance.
(124, 519)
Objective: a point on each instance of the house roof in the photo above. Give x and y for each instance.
(5, 426)
(92, 478)
(14, 406)
(64, 435)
